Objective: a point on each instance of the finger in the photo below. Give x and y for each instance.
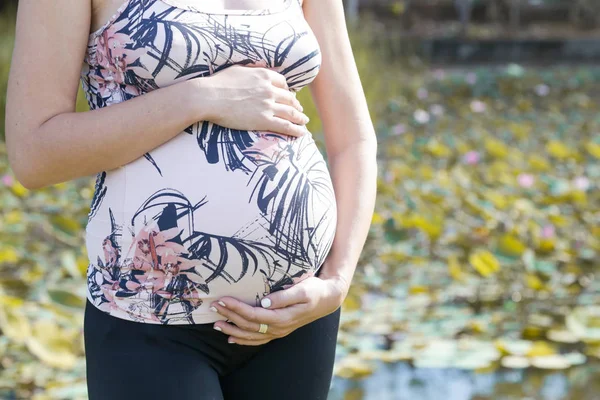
(296, 294)
(288, 98)
(290, 113)
(238, 332)
(285, 127)
(237, 319)
(245, 314)
(244, 342)
(278, 79)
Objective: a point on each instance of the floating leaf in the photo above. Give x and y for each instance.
(555, 361)
(510, 245)
(8, 255)
(67, 299)
(484, 262)
(558, 150)
(13, 323)
(51, 345)
(515, 362)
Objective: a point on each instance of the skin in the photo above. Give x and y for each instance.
(48, 142)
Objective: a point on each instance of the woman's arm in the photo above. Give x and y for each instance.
(48, 142)
(350, 139)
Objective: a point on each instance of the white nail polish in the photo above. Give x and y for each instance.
(218, 328)
(213, 309)
(265, 302)
(221, 303)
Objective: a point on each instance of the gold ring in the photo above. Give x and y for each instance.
(263, 328)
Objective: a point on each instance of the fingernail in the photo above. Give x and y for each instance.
(213, 309)
(221, 303)
(265, 302)
(306, 120)
(218, 328)
(231, 341)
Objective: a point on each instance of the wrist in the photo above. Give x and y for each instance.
(199, 91)
(340, 285)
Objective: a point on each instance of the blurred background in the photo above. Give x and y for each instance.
(478, 280)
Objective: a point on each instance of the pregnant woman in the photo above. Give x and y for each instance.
(220, 247)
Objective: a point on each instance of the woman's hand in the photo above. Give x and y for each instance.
(291, 308)
(253, 98)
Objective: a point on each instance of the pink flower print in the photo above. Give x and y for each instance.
(162, 261)
(193, 296)
(107, 291)
(267, 146)
(111, 254)
(112, 54)
(107, 86)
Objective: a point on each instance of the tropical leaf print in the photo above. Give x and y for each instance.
(99, 193)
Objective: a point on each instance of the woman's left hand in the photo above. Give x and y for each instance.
(291, 308)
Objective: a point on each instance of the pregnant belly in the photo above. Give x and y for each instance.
(209, 213)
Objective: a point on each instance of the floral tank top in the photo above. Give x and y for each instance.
(214, 211)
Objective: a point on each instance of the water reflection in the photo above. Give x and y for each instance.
(401, 381)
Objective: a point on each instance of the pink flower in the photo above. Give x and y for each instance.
(8, 180)
(388, 176)
(399, 129)
(421, 116)
(478, 106)
(472, 157)
(526, 180)
(471, 78)
(542, 90)
(548, 231)
(581, 183)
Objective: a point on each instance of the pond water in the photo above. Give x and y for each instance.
(400, 381)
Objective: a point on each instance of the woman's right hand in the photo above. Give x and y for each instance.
(252, 98)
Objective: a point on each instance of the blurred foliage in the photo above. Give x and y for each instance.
(7, 28)
(482, 253)
(484, 247)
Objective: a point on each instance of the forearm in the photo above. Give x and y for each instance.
(354, 176)
(72, 145)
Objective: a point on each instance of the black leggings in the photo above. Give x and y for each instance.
(129, 360)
